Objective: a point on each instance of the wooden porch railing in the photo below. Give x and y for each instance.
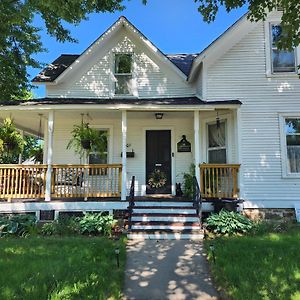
(22, 181)
(68, 181)
(219, 180)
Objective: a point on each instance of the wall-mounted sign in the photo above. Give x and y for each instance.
(183, 145)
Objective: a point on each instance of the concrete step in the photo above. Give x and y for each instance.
(165, 235)
(164, 227)
(163, 204)
(173, 218)
(164, 210)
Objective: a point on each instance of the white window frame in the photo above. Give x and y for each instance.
(217, 148)
(122, 74)
(268, 52)
(109, 130)
(283, 145)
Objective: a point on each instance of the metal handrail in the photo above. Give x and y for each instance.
(131, 201)
(197, 199)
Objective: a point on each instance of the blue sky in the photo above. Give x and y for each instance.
(174, 26)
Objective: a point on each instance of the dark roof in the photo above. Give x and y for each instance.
(59, 65)
(182, 61)
(52, 71)
(118, 101)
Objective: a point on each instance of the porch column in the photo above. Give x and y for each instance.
(124, 158)
(197, 144)
(49, 155)
(238, 127)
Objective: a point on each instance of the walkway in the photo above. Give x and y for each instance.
(167, 269)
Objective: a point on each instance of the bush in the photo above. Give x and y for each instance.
(188, 182)
(62, 226)
(229, 222)
(96, 223)
(17, 225)
(264, 227)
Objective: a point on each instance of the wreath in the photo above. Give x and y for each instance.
(157, 179)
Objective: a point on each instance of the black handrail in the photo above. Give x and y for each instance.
(197, 199)
(131, 201)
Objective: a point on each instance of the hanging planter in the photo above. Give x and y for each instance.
(86, 140)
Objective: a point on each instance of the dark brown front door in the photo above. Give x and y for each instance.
(158, 161)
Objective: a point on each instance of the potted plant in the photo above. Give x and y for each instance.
(86, 140)
(12, 143)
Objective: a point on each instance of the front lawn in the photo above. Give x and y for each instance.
(60, 268)
(258, 267)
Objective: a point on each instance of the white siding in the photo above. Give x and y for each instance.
(94, 79)
(241, 74)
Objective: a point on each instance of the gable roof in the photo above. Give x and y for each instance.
(60, 64)
(179, 62)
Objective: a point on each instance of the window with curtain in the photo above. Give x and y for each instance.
(123, 74)
(292, 132)
(96, 158)
(216, 143)
(282, 60)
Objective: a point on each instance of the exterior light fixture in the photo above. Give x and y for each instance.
(159, 116)
(218, 123)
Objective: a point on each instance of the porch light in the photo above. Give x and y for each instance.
(218, 123)
(159, 116)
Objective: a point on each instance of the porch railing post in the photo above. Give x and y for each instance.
(124, 158)
(197, 144)
(49, 156)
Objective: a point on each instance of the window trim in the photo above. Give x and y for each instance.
(268, 52)
(121, 74)
(109, 129)
(217, 148)
(283, 145)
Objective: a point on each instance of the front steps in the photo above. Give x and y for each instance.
(165, 219)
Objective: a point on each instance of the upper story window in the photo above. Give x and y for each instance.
(283, 61)
(292, 132)
(217, 143)
(123, 74)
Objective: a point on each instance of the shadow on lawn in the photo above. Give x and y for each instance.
(266, 267)
(167, 270)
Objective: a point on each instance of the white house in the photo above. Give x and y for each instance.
(234, 109)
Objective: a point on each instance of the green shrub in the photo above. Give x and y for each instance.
(263, 227)
(96, 223)
(229, 222)
(62, 226)
(188, 183)
(18, 225)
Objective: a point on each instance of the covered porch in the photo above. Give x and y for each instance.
(64, 175)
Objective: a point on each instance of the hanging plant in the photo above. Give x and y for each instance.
(11, 141)
(157, 179)
(86, 140)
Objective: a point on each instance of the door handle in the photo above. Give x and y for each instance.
(158, 165)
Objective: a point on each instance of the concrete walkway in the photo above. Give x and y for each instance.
(167, 269)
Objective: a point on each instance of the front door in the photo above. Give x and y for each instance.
(158, 162)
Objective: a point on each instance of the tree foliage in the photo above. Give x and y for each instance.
(258, 10)
(20, 39)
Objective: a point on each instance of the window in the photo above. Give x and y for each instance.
(123, 74)
(96, 158)
(217, 143)
(282, 60)
(292, 134)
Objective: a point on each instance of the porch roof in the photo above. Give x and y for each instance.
(177, 101)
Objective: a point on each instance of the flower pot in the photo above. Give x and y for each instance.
(86, 144)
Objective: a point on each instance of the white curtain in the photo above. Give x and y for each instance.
(293, 153)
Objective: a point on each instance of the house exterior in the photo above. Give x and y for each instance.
(233, 109)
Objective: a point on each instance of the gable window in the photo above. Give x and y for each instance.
(292, 135)
(96, 158)
(123, 74)
(283, 61)
(217, 143)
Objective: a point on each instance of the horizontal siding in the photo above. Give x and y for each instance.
(241, 74)
(151, 77)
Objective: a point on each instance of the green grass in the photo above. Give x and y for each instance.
(258, 267)
(60, 268)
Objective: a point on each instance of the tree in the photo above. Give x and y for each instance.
(258, 10)
(20, 39)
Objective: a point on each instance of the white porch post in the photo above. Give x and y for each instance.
(124, 157)
(238, 126)
(197, 144)
(49, 155)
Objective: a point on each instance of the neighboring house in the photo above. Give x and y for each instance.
(236, 103)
